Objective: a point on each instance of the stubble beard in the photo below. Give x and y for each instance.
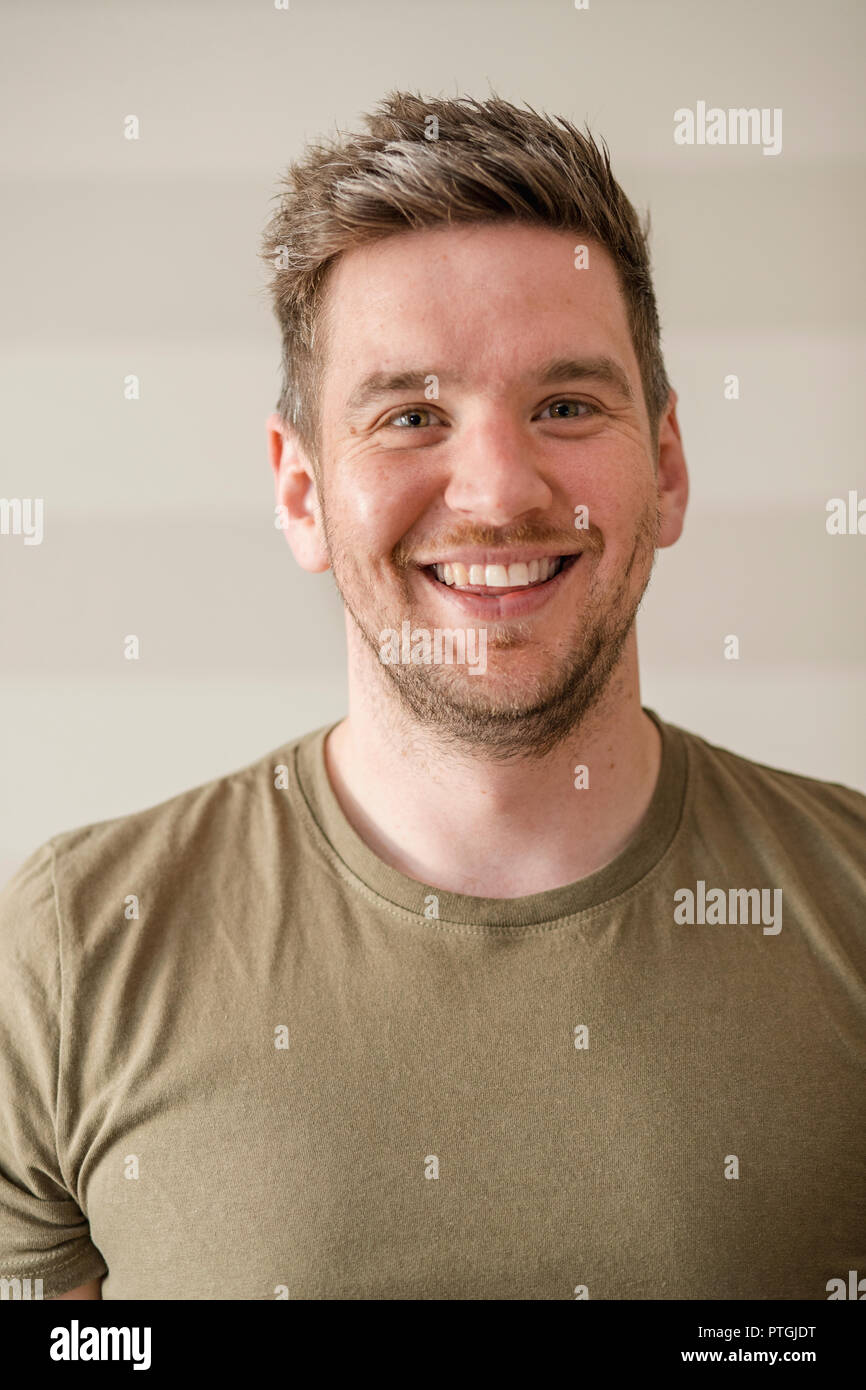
(539, 713)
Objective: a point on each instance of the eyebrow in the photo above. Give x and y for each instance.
(553, 373)
(604, 369)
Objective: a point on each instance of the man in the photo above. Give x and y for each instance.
(503, 987)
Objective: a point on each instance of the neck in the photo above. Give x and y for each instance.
(459, 822)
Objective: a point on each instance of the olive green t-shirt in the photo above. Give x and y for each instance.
(242, 1058)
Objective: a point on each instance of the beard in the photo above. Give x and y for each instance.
(508, 714)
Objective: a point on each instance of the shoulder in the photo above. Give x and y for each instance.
(770, 800)
(28, 921)
(197, 843)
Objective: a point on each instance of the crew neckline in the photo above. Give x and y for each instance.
(356, 859)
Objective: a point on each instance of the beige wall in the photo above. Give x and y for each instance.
(140, 257)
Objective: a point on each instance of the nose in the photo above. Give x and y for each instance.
(494, 477)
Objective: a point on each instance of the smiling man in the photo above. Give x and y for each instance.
(460, 512)
(415, 1007)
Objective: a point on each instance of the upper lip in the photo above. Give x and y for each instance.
(495, 557)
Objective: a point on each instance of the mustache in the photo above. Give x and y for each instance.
(560, 539)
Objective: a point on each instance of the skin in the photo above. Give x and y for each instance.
(465, 782)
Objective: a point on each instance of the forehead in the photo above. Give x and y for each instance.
(485, 299)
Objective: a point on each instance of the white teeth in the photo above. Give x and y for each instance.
(516, 576)
(496, 576)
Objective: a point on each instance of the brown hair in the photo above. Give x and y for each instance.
(427, 162)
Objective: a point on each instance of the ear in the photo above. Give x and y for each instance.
(300, 515)
(672, 478)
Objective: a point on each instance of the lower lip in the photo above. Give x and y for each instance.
(509, 604)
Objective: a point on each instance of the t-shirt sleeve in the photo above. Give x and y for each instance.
(43, 1232)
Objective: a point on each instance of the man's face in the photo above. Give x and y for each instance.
(480, 392)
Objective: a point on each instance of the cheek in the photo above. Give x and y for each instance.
(363, 504)
(382, 502)
(617, 489)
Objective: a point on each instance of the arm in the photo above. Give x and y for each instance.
(40, 1219)
(91, 1290)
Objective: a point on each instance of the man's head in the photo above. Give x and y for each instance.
(429, 163)
(473, 376)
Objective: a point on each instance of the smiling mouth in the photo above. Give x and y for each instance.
(500, 579)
